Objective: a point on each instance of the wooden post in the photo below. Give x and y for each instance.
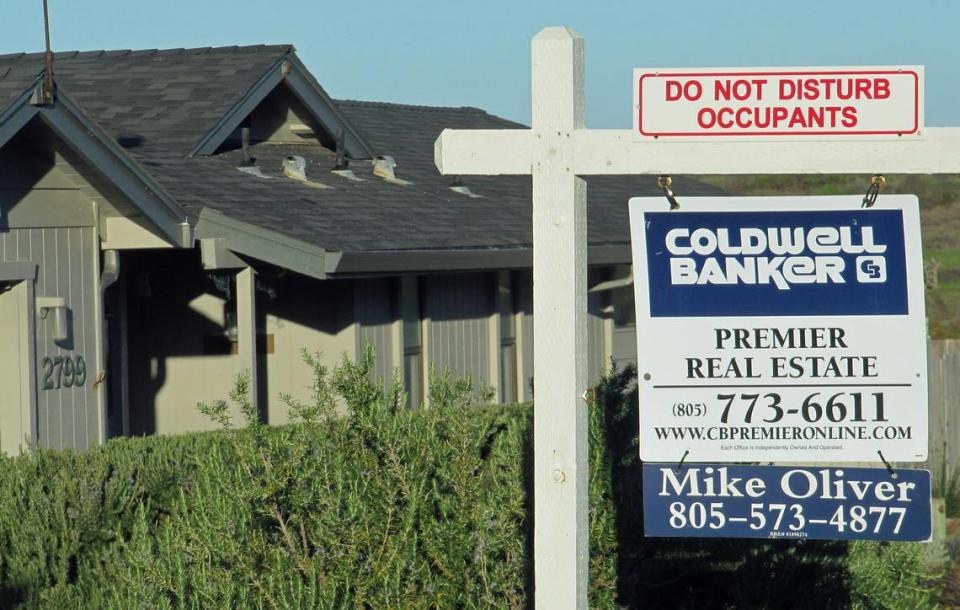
(560, 321)
(247, 326)
(546, 152)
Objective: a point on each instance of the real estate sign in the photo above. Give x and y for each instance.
(884, 101)
(828, 503)
(784, 329)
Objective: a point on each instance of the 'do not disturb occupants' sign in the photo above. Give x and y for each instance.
(780, 329)
(764, 102)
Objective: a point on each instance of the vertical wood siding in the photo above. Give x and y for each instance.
(374, 313)
(67, 417)
(523, 299)
(595, 362)
(625, 345)
(943, 373)
(457, 308)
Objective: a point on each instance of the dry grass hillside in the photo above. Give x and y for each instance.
(939, 214)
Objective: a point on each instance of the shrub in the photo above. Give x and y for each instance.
(380, 507)
(891, 575)
(384, 507)
(64, 515)
(946, 485)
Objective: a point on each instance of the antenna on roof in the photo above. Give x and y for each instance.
(47, 89)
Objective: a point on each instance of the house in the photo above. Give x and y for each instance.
(170, 218)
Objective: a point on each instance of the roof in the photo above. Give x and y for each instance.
(162, 105)
(376, 215)
(158, 102)
(14, 81)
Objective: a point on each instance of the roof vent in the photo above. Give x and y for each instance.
(248, 160)
(249, 165)
(342, 161)
(457, 186)
(348, 174)
(383, 167)
(342, 167)
(253, 170)
(295, 167)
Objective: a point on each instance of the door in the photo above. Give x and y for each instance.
(17, 391)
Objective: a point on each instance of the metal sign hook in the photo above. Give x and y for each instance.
(664, 183)
(876, 183)
(680, 465)
(890, 469)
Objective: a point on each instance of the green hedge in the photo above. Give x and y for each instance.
(381, 507)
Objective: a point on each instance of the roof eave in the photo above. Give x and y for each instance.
(263, 244)
(435, 261)
(18, 113)
(106, 156)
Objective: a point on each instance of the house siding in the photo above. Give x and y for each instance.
(457, 308)
(67, 416)
(595, 347)
(375, 314)
(523, 299)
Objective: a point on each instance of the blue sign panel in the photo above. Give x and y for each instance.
(776, 263)
(827, 503)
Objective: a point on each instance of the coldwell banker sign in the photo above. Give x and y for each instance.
(780, 329)
(764, 102)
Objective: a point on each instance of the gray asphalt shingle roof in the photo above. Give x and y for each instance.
(159, 104)
(14, 81)
(409, 132)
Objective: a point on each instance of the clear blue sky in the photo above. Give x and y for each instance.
(451, 52)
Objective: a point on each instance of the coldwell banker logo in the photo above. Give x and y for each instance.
(871, 269)
(776, 263)
(772, 255)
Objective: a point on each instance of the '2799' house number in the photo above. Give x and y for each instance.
(63, 372)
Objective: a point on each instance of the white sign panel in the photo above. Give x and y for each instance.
(784, 329)
(765, 102)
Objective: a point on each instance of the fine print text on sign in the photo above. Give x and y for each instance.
(870, 102)
(780, 329)
(827, 503)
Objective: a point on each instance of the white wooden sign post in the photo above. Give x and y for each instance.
(559, 314)
(556, 150)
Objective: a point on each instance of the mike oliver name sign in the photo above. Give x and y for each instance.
(828, 503)
(780, 329)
